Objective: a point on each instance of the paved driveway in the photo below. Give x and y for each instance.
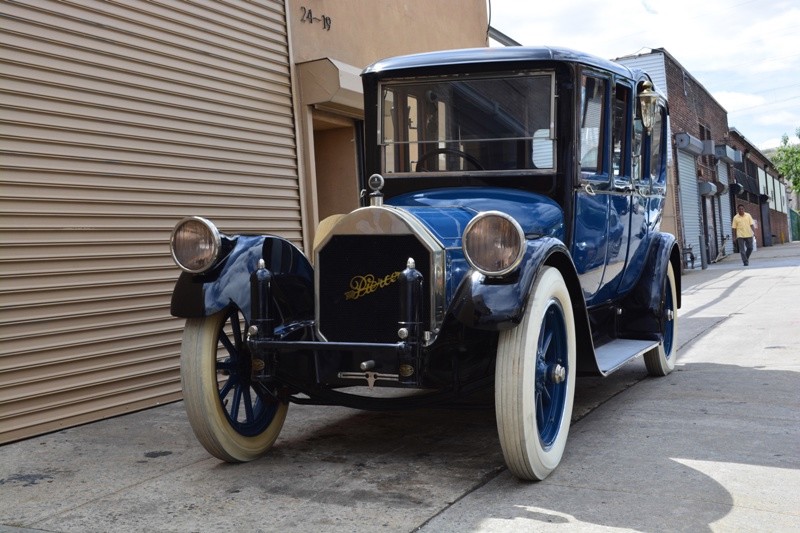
(715, 446)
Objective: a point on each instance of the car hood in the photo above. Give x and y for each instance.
(446, 212)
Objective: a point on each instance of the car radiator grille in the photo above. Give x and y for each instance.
(359, 286)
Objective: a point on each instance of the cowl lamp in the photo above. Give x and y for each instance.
(648, 100)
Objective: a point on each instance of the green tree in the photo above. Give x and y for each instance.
(787, 160)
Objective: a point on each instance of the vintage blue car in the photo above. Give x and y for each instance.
(509, 239)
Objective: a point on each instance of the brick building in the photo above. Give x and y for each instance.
(761, 191)
(707, 163)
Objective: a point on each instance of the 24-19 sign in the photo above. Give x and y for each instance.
(308, 16)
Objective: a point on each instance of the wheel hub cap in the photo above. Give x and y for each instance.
(557, 373)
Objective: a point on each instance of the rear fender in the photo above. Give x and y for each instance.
(642, 308)
(228, 283)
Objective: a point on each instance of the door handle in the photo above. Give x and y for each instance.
(623, 186)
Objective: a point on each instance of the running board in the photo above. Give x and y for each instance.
(614, 354)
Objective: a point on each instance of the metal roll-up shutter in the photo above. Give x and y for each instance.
(725, 206)
(690, 203)
(118, 119)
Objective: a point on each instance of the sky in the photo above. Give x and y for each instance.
(746, 53)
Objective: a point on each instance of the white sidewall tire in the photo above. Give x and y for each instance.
(515, 378)
(202, 402)
(657, 360)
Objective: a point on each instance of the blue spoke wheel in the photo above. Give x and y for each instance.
(234, 417)
(535, 380)
(660, 361)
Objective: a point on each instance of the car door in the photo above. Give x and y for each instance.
(589, 245)
(648, 180)
(626, 204)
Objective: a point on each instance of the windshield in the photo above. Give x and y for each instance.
(467, 124)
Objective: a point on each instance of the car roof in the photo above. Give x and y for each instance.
(488, 55)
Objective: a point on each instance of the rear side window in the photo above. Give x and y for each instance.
(619, 132)
(593, 98)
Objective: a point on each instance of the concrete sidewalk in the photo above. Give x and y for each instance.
(715, 446)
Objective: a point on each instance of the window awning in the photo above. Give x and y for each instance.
(749, 183)
(331, 85)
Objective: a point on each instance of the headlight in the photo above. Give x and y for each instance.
(494, 243)
(195, 244)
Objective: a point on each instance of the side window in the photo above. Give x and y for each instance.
(619, 137)
(412, 127)
(593, 94)
(388, 129)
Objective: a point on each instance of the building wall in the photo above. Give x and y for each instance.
(779, 222)
(690, 106)
(694, 111)
(363, 31)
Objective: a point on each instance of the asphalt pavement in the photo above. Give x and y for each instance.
(714, 446)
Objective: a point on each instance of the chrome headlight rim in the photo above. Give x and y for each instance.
(216, 242)
(520, 252)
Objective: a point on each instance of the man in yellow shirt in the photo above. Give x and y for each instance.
(743, 233)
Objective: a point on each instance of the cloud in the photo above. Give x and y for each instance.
(734, 102)
(649, 8)
(777, 118)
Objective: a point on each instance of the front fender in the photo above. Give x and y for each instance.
(498, 304)
(229, 282)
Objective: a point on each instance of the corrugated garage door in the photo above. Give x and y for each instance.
(725, 206)
(690, 203)
(118, 118)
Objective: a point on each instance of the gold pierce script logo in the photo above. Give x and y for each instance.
(363, 285)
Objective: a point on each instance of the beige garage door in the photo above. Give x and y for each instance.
(118, 118)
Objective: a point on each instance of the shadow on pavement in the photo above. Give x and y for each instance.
(668, 457)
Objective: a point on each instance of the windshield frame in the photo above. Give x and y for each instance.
(395, 134)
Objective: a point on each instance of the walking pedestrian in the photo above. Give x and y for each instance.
(743, 233)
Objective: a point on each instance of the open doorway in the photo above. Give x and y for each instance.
(336, 163)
